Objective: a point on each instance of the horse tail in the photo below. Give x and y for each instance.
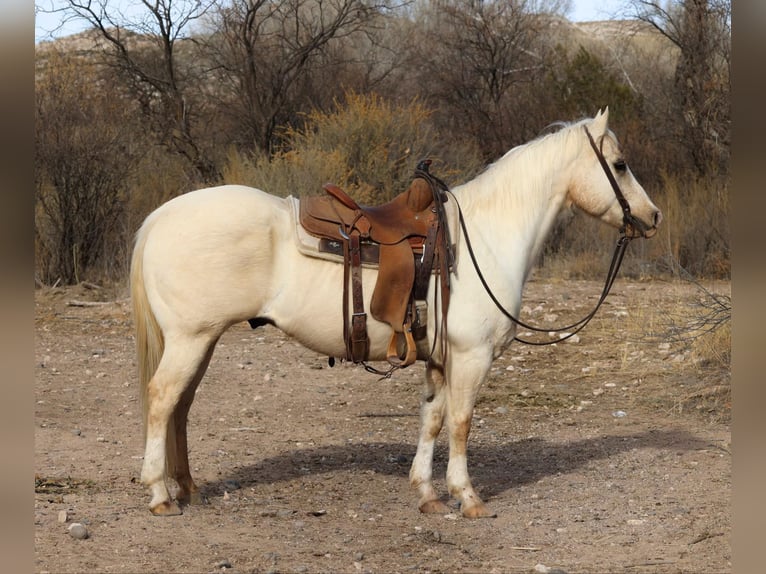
(150, 342)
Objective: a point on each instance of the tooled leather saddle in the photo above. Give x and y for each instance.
(408, 238)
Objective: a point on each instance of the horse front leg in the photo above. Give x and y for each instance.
(431, 420)
(466, 374)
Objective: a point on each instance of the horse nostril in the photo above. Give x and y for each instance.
(657, 218)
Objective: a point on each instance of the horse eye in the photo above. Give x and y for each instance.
(620, 165)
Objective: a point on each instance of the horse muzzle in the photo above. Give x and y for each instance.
(634, 227)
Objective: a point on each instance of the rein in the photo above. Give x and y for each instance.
(629, 220)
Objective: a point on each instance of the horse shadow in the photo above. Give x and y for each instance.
(494, 469)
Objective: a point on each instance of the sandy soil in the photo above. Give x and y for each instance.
(611, 454)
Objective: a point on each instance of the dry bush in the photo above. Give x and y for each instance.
(84, 154)
(295, 173)
(160, 176)
(367, 145)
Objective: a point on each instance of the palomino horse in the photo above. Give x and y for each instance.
(215, 257)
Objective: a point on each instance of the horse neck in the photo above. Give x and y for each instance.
(512, 206)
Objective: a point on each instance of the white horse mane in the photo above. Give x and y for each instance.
(526, 166)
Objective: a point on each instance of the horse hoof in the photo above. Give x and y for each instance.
(434, 507)
(478, 511)
(167, 508)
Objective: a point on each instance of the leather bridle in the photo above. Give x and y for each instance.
(629, 222)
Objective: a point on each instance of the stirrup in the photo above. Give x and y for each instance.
(410, 349)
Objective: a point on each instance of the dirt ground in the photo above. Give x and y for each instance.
(609, 454)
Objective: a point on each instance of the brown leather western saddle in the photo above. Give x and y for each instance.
(408, 237)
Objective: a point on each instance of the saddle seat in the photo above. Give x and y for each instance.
(335, 215)
(399, 229)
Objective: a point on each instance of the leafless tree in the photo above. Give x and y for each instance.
(270, 54)
(701, 29)
(475, 55)
(143, 46)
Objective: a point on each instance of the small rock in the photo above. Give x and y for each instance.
(574, 339)
(232, 484)
(636, 521)
(223, 564)
(358, 556)
(63, 517)
(619, 414)
(501, 410)
(78, 530)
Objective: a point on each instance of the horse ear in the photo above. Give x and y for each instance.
(600, 122)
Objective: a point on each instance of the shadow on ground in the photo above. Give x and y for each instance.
(494, 469)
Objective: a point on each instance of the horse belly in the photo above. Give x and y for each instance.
(309, 303)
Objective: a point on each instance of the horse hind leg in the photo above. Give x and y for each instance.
(169, 396)
(431, 421)
(177, 441)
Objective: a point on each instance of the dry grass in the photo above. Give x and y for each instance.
(692, 328)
